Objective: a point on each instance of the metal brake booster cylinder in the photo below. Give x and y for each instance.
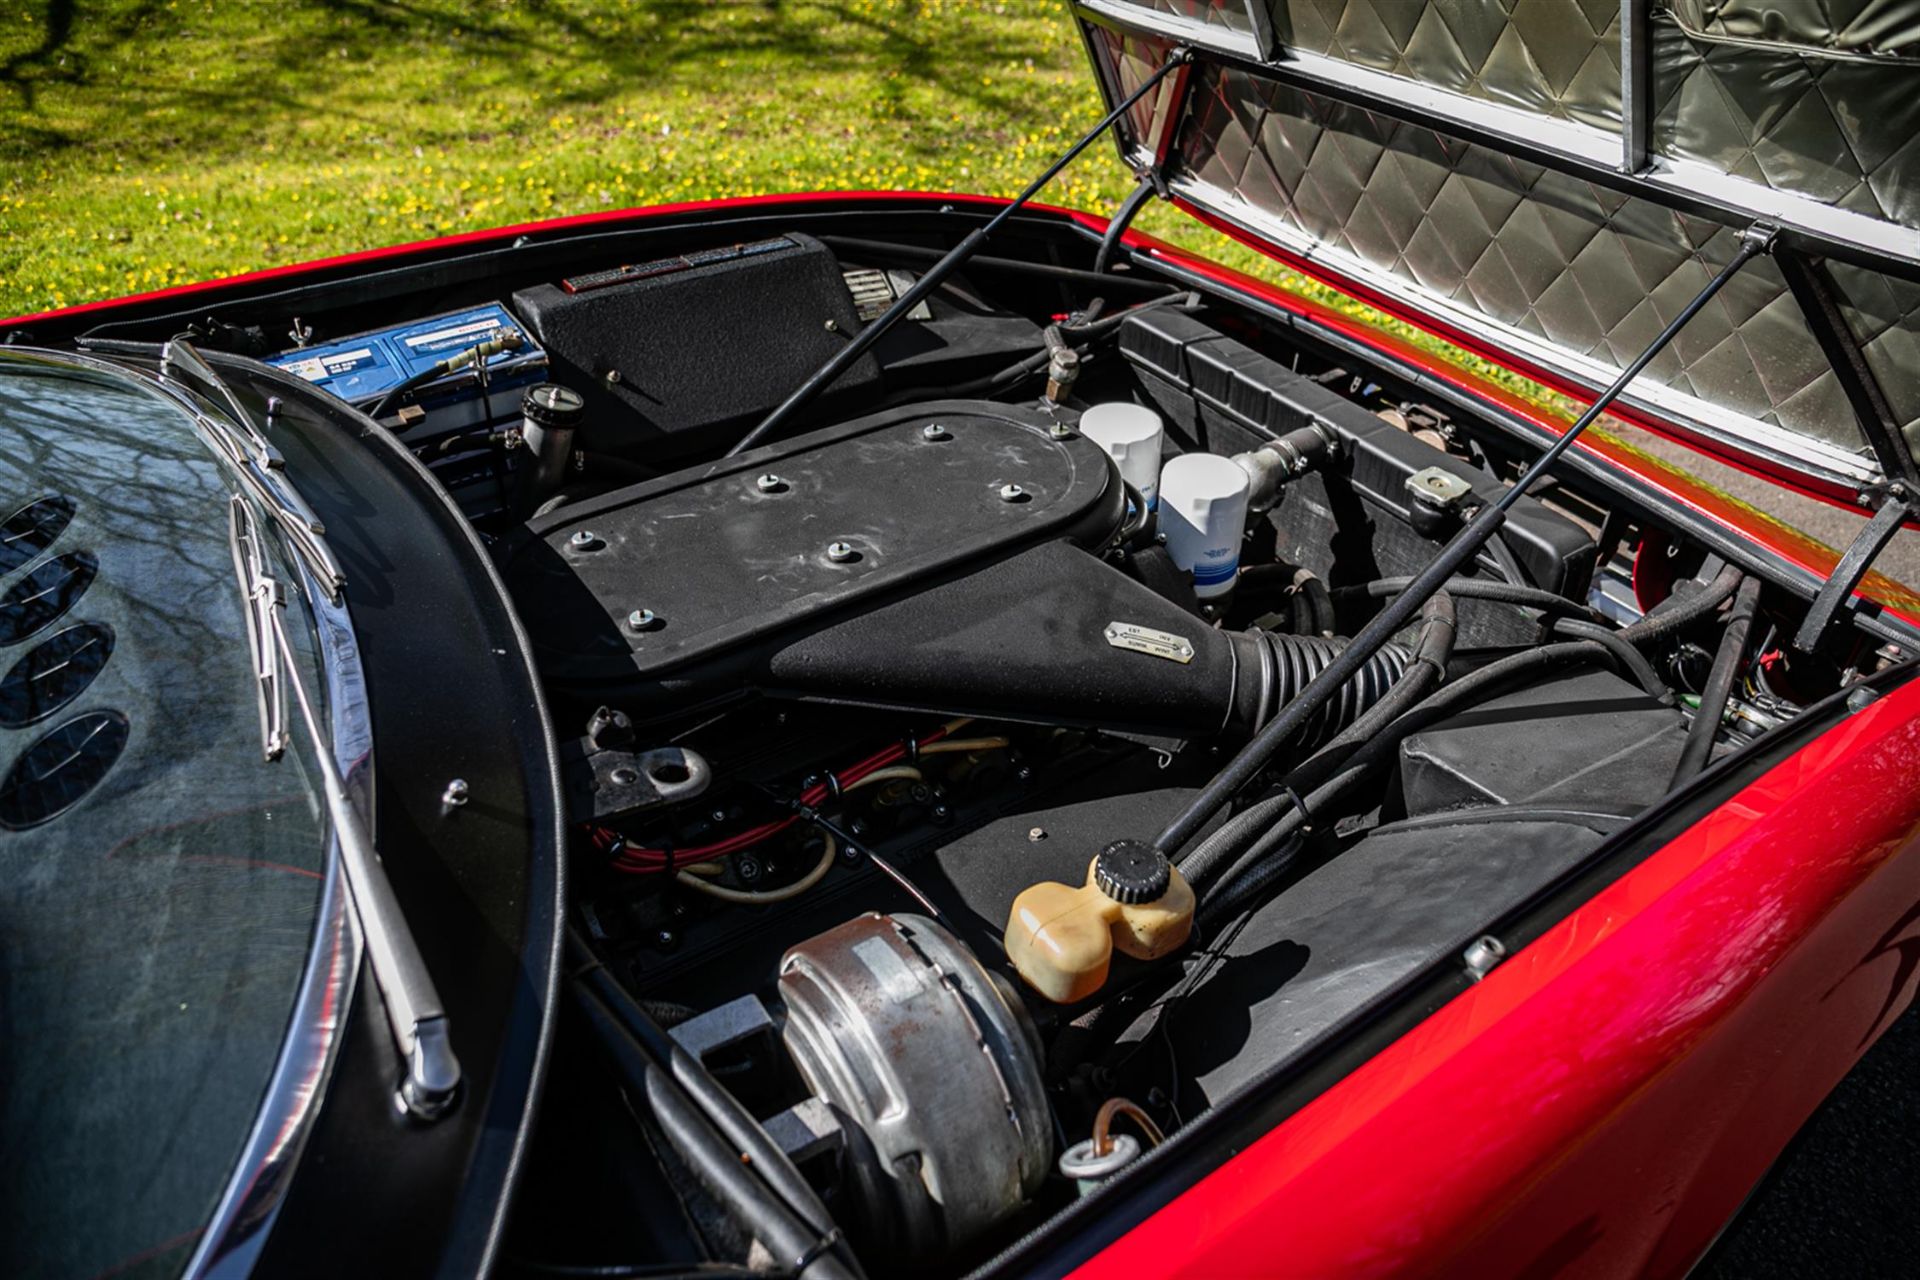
(896, 1026)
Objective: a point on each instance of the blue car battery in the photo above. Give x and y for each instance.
(362, 368)
(463, 413)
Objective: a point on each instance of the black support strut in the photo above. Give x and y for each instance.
(1812, 287)
(936, 274)
(1464, 545)
(1846, 575)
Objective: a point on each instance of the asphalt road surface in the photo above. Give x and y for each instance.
(1841, 1201)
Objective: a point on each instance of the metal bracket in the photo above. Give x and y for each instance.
(602, 784)
(1846, 575)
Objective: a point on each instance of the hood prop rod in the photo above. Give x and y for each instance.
(1899, 492)
(1253, 758)
(939, 271)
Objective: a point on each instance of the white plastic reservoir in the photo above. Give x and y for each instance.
(1130, 433)
(1203, 513)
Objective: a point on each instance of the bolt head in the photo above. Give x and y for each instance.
(583, 540)
(1037, 834)
(833, 326)
(1012, 493)
(1061, 431)
(642, 620)
(769, 483)
(840, 552)
(933, 431)
(613, 377)
(456, 793)
(624, 776)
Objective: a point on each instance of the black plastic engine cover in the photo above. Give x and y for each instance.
(724, 561)
(685, 352)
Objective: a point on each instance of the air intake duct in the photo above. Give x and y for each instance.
(1056, 636)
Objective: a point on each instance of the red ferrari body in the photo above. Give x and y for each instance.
(1602, 1096)
(1605, 1100)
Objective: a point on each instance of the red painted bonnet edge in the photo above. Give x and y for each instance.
(395, 254)
(1605, 1099)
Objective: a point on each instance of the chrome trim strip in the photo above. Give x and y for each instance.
(1733, 430)
(246, 1213)
(242, 1221)
(1636, 84)
(1185, 30)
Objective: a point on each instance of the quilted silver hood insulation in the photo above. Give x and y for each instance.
(1787, 108)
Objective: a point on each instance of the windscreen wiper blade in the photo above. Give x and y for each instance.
(415, 1014)
(263, 594)
(259, 465)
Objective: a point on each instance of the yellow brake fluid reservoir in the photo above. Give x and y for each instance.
(1061, 938)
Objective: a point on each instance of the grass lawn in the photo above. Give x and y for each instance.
(145, 144)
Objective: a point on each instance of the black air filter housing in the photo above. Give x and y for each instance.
(744, 553)
(685, 353)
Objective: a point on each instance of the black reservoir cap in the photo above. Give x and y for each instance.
(1132, 871)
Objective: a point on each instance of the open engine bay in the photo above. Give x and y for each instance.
(902, 862)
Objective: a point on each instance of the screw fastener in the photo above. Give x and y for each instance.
(1012, 493)
(840, 552)
(583, 540)
(454, 796)
(770, 483)
(1483, 956)
(933, 431)
(642, 620)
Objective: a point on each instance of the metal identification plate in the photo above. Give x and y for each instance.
(1155, 644)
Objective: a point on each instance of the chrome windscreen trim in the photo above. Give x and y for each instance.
(245, 1216)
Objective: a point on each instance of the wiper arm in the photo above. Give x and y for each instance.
(180, 357)
(414, 1013)
(258, 463)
